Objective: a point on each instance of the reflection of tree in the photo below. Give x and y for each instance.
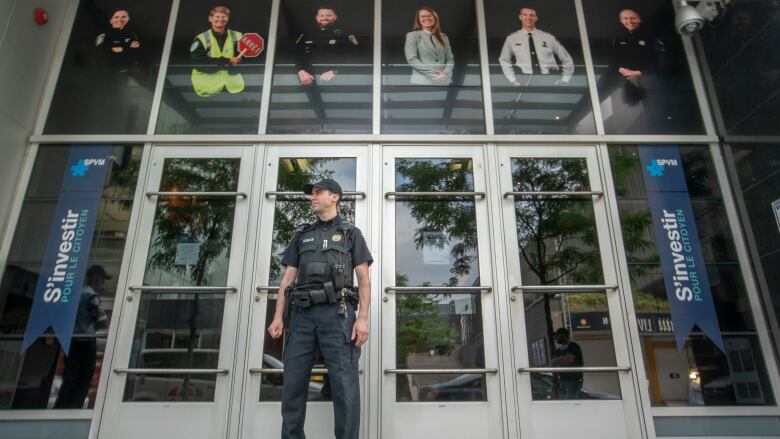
(557, 238)
(420, 327)
(456, 219)
(207, 222)
(288, 215)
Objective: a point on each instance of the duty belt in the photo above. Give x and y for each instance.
(306, 298)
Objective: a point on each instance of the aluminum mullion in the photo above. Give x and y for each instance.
(589, 70)
(268, 78)
(196, 140)
(484, 61)
(698, 85)
(164, 58)
(376, 91)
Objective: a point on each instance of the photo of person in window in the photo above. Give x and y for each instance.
(428, 50)
(215, 53)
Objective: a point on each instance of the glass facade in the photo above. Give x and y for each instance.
(601, 76)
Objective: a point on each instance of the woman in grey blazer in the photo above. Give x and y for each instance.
(428, 50)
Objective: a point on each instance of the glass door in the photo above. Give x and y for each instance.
(177, 334)
(283, 208)
(438, 323)
(570, 346)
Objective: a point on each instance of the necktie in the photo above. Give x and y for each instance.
(534, 59)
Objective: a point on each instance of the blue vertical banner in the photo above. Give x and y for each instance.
(678, 245)
(57, 293)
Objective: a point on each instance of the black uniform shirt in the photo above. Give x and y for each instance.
(574, 349)
(636, 51)
(355, 243)
(323, 49)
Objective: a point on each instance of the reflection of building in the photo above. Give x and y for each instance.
(492, 188)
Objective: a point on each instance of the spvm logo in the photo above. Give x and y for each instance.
(80, 169)
(657, 167)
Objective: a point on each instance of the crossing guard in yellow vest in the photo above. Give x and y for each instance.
(217, 49)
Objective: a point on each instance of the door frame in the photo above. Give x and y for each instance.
(254, 302)
(487, 270)
(113, 408)
(619, 318)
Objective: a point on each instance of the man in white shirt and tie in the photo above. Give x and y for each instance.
(534, 52)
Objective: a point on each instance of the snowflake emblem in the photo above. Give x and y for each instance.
(79, 169)
(655, 169)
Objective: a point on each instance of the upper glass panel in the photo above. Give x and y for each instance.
(323, 68)
(643, 78)
(190, 244)
(700, 374)
(215, 73)
(106, 85)
(743, 60)
(539, 91)
(556, 235)
(431, 82)
(42, 376)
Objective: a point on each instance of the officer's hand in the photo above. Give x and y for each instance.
(135, 44)
(327, 76)
(305, 78)
(441, 75)
(276, 328)
(560, 82)
(360, 331)
(117, 49)
(515, 83)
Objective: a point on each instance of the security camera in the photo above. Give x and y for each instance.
(688, 20)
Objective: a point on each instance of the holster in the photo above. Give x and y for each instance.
(287, 299)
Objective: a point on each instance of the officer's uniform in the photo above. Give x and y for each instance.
(322, 50)
(636, 51)
(324, 253)
(547, 48)
(215, 50)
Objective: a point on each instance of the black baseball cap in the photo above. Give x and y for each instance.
(327, 183)
(97, 270)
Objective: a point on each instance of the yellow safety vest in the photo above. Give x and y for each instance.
(209, 84)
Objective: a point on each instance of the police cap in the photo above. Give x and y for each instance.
(328, 184)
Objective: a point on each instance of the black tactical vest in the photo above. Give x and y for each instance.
(324, 259)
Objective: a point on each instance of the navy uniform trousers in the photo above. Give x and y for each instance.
(309, 327)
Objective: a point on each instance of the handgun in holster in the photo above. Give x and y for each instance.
(287, 299)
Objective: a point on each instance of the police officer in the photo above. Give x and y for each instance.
(217, 49)
(636, 56)
(322, 300)
(534, 52)
(317, 51)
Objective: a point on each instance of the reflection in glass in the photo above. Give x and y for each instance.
(323, 68)
(190, 246)
(190, 242)
(556, 234)
(431, 80)
(215, 77)
(38, 378)
(540, 91)
(106, 84)
(744, 66)
(707, 376)
(643, 79)
(436, 245)
(570, 330)
(175, 331)
(291, 211)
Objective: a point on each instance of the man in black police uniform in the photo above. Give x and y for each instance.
(567, 354)
(636, 56)
(319, 291)
(318, 50)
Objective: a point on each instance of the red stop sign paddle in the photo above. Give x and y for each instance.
(251, 45)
